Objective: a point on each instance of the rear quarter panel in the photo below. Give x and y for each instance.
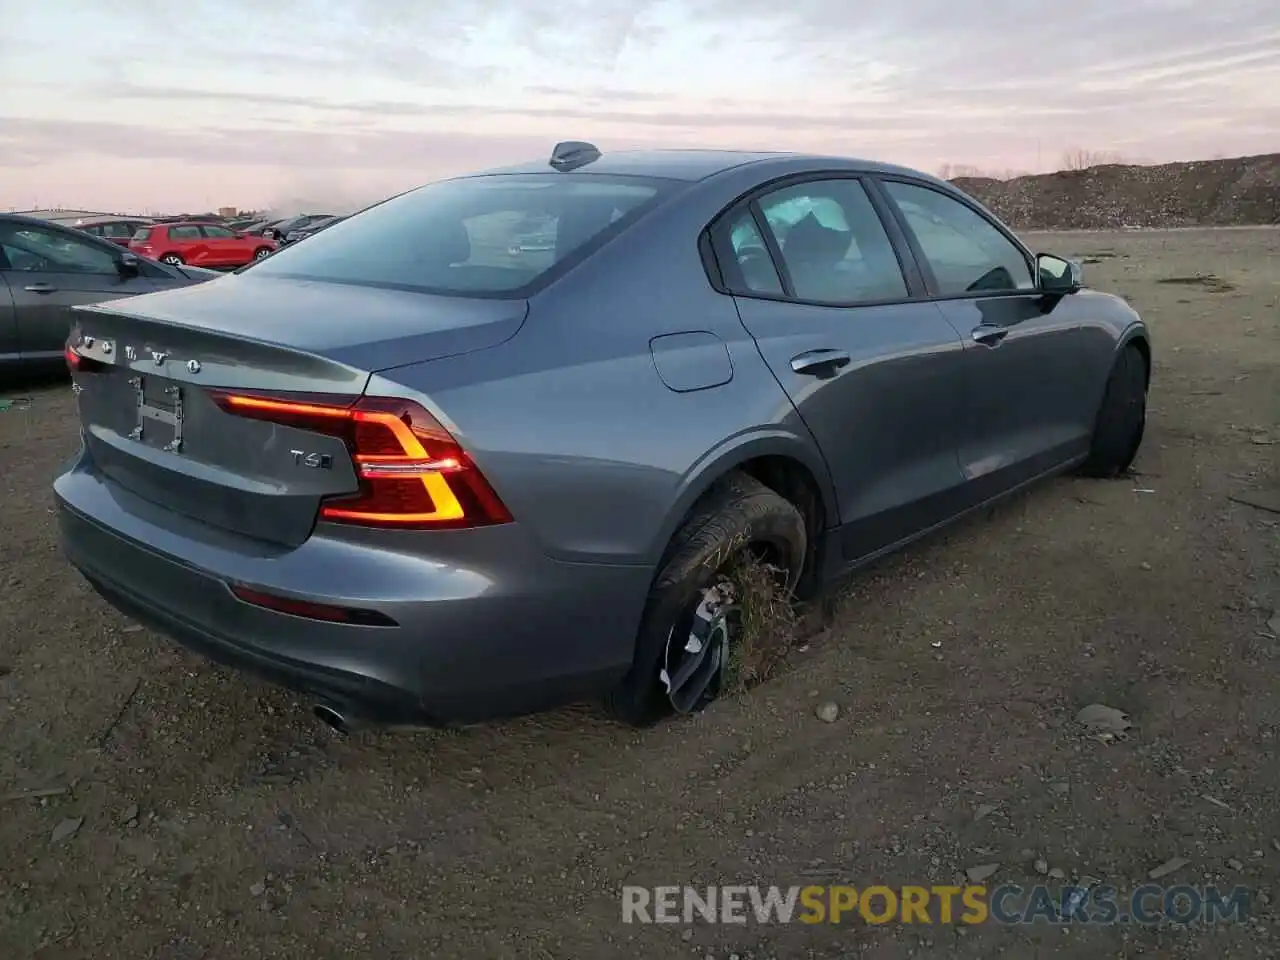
(570, 420)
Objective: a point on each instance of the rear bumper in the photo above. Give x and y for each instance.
(488, 628)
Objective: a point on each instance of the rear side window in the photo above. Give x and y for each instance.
(499, 235)
(143, 234)
(184, 233)
(833, 245)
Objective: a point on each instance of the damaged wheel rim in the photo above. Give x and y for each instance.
(697, 649)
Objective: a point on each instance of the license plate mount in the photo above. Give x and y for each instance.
(159, 413)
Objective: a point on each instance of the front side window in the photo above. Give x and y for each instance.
(31, 248)
(966, 252)
(833, 243)
(218, 233)
(476, 236)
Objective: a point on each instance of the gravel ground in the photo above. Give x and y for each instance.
(213, 817)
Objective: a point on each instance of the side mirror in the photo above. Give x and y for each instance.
(1058, 276)
(128, 265)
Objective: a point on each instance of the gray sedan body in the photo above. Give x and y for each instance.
(46, 269)
(918, 367)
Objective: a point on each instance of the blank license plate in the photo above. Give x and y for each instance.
(159, 410)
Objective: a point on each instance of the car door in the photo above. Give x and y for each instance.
(1029, 394)
(48, 271)
(10, 350)
(189, 243)
(836, 305)
(224, 247)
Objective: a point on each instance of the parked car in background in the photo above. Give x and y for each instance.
(118, 230)
(533, 235)
(199, 244)
(281, 228)
(189, 218)
(421, 480)
(303, 232)
(250, 228)
(46, 269)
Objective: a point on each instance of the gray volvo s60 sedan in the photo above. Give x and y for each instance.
(424, 479)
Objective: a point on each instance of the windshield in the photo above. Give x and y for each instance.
(469, 237)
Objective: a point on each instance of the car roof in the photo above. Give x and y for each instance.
(691, 165)
(26, 221)
(96, 221)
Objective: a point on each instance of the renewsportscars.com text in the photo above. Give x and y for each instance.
(1005, 904)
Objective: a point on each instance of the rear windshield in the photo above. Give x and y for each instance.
(490, 236)
(143, 234)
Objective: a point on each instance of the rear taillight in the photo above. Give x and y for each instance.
(80, 364)
(413, 473)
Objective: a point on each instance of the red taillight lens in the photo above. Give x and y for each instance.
(413, 473)
(78, 364)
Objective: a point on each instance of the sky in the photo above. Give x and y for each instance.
(157, 105)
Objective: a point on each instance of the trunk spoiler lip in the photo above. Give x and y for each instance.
(348, 380)
(346, 356)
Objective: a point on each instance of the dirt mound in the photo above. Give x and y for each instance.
(1239, 192)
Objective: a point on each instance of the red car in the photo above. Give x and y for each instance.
(199, 244)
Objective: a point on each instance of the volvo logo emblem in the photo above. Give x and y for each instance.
(193, 366)
(158, 357)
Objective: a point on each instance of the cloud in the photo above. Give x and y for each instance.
(416, 90)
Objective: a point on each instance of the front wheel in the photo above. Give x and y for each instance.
(173, 259)
(688, 629)
(261, 252)
(1122, 418)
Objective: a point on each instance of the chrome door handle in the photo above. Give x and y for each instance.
(989, 335)
(40, 288)
(819, 363)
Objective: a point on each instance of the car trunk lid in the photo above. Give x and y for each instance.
(155, 366)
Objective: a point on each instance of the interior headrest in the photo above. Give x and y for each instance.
(815, 240)
(453, 243)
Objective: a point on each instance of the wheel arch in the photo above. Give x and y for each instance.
(786, 464)
(1136, 335)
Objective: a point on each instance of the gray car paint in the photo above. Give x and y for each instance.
(35, 306)
(599, 410)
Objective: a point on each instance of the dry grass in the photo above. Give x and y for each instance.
(767, 623)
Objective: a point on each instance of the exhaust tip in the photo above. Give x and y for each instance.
(332, 718)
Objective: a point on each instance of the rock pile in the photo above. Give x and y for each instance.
(1243, 191)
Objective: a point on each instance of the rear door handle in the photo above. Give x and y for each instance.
(989, 335)
(40, 288)
(819, 363)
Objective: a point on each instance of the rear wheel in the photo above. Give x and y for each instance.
(1117, 433)
(689, 627)
(173, 259)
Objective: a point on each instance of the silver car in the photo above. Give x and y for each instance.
(424, 481)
